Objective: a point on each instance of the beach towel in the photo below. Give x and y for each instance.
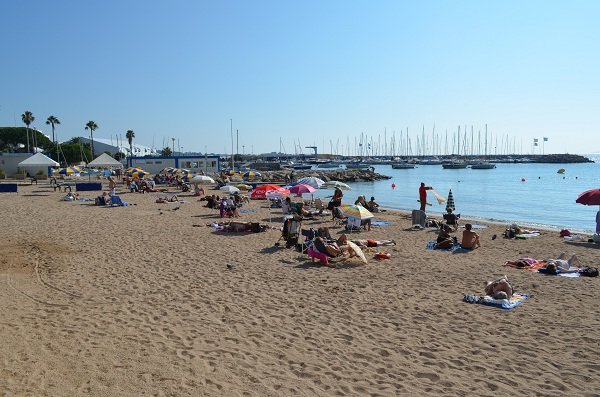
(523, 236)
(559, 273)
(440, 199)
(381, 223)
(246, 211)
(475, 226)
(507, 304)
(526, 264)
(431, 245)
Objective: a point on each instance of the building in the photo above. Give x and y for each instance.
(195, 163)
(102, 145)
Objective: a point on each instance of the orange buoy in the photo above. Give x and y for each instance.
(393, 185)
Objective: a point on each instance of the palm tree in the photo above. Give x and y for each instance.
(130, 135)
(53, 121)
(27, 118)
(92, 126)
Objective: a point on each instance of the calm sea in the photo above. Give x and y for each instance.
(545, 198)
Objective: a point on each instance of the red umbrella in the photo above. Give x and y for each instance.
(302, 188)
(590, 197)
(261, 191)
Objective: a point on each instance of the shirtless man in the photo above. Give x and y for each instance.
(470, 239)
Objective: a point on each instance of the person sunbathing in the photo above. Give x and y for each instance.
(563, 265)
(332, 249)
(470, 239)
(373, 243)
(171, 199)
(499, 289)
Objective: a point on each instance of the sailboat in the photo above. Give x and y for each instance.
(455, 163)
(485, 163)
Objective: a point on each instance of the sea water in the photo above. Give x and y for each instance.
(528, 194)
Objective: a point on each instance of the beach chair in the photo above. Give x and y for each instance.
(338, 217)
(419, 218)
(290, 232)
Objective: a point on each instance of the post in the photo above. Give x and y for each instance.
(231, 133)
(205, 160)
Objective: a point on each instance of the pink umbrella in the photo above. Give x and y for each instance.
(302, 188)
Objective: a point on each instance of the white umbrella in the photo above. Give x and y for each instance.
(357, 251)
(336, 184)
(229, 189)
(202, 179)
(311, 181)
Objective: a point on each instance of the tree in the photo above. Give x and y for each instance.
(27, 118)
(167, 151)
(53, 121)
(92, 126)
(130, 135)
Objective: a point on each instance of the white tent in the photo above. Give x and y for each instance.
(105, 160)
(38, 162)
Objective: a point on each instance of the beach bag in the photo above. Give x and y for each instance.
(589, 272)
(565, 233)
(100, 200)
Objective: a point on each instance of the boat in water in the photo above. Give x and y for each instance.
(358, 165)
(483, 165)
(403, 166)
(454, 164)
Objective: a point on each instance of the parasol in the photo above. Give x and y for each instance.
(450, 202)
(356, 211)
(357, 251)
(336, 185)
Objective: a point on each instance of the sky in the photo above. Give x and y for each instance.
(285, 75)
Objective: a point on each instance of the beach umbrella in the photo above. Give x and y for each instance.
(311, 181)
(202, 179)
(167, 170)
(450, 201)
(229, 189)
(336, 185)
(243, 186)
(301, 188)
(275, 194)
(589, 197)
(359, 253)
(69, 171)
(261, 191)
(356, 211)
(139, 174)
(252, 174)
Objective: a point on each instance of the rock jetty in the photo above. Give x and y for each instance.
(342, 175)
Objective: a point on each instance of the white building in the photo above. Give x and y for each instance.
(196, 163)
(102, 145)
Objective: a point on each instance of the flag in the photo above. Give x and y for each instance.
(545, 139)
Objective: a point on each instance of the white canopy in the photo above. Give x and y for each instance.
(38, 160)
(105, 160)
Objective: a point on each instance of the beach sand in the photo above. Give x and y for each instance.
(140, 301)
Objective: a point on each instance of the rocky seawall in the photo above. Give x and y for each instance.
(342, 175)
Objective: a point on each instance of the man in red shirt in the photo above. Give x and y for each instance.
(423, 195)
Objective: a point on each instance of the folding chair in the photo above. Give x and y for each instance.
(338, 217)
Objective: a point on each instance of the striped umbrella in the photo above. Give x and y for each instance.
(69, 171)
(450, 202)
(229, 189)
(356, 211)
(139, 174)
(311, 181)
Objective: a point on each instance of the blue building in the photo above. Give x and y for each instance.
(195, 163)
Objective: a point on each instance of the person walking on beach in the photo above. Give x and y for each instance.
(112, 185)
(423, 195)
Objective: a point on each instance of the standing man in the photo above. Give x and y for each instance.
(112, 185)
(423, 195)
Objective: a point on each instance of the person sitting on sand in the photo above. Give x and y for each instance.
(198, 190)
(470, 239)
(499, 289)
(361, 200)
(444, 239)
(372, 205)
(450, 218)
(172, 199)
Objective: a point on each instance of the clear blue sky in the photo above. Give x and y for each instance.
(309, 71)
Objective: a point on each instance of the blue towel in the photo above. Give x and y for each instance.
(431, 244)
(246, 211)
(507, 304)
(381, 223)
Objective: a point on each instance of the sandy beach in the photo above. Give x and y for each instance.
(140, 301)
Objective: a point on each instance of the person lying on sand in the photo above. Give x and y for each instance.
(564, 265)
(171, 199)
(470, 239)
(499, 289)
(373, 243)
